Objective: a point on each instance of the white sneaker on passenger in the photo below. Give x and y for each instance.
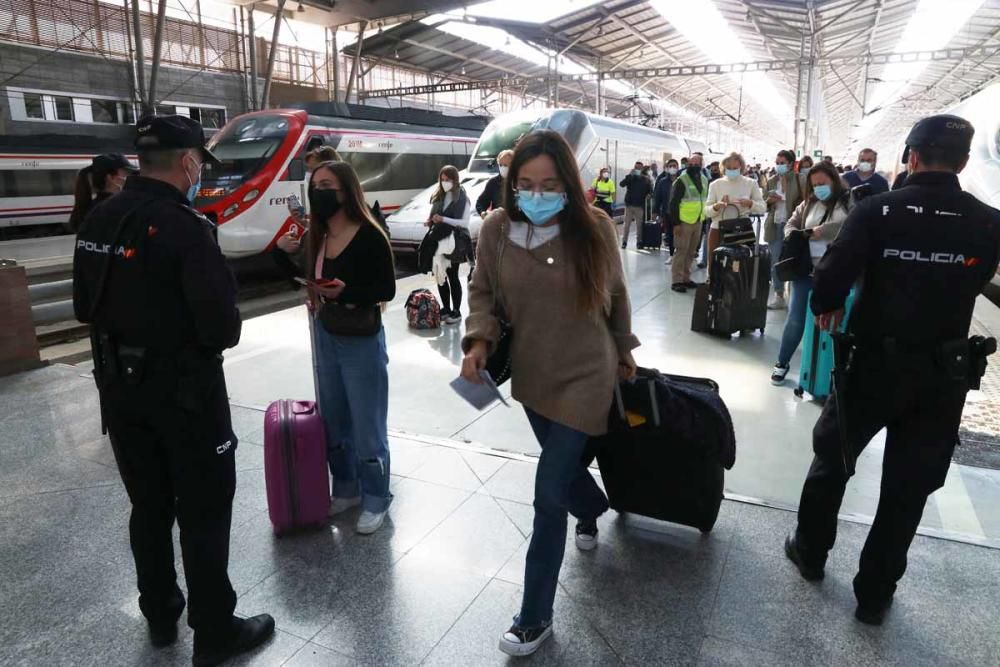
(586, 536)
(369, 522)
(777, 302)
(452, 318)
(520, 641)
(778, 374)
(340, 505)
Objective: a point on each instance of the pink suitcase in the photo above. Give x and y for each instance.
(295, 467)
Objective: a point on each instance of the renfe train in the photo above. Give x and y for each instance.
(597, 142)
(262, 165)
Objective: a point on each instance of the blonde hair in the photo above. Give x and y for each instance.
(505, 153)
(735, 156)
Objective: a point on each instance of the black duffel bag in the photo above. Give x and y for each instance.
(796, 258)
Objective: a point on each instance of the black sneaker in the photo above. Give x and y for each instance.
(691, 284)
(586, 535)
(808, 572)
(679, 287)
(520, 641)
(872, 614)
(624, 245)
(779, 374)
(702, 265)
(247, 634)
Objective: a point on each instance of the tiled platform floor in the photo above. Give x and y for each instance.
(442, 578)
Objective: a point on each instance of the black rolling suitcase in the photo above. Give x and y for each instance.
(650, 234)
(669, 440)
(736, 298)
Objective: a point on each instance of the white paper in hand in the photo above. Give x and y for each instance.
(479, 396)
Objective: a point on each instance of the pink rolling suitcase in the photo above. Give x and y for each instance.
(295, 467)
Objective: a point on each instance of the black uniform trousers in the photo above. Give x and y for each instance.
(606, 207)
(173, 442)
(921, 408)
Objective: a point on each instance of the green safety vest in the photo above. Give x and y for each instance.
(605, 190)
(693, 204)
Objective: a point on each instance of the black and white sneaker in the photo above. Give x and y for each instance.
(778, 374)
(586, 535)
(454, 317)
(520, 641)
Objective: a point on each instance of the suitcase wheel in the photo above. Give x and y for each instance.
(799, 391)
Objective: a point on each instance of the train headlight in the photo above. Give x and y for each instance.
(250, 196)
(229, 211)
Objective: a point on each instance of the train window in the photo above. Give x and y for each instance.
(104, 111)
(499, 137)
(33, 105)
(373, 170)
(296, 170)
(64, 107)
(413, 171)
(127, 113)
(165, 110)
(39, 183)
(211, 118)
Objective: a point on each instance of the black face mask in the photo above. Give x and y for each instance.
(324, 204)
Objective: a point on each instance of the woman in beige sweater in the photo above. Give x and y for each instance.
(552, 262)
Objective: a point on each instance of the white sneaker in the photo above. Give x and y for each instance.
(369, 522)
(586, 536)
(520, 641)
(341, 505)
(452, 318)
(777, 303)
(670, 260)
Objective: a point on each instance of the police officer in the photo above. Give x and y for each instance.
(150, 279)
(925, 252)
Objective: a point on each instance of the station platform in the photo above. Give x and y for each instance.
(439, 582)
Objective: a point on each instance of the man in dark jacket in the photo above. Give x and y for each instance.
(661, 202)
(637, 188)
(492, 193)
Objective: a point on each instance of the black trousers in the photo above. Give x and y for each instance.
(606, 207)
(451, 291)
(921, 408)
(178, 463)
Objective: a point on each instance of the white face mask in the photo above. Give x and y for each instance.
(503, 171)
(447, 186)
(308, 176)
(865, 166)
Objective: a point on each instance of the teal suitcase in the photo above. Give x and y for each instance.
(817, 354)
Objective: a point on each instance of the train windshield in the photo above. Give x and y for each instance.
(499, 136)
(244, 147)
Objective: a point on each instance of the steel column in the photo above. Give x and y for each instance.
(252, 29)
(154, 67)
(140, 56)
(356, 65)
(272, 53)
(336, 65)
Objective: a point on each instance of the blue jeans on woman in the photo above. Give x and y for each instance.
(774, 248)
(353, 384)
(795, 325)
(562, 484)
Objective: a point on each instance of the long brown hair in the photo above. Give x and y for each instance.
(837, 186)
(579, 223)
(89, 182)
(452, 173)
(354, 206)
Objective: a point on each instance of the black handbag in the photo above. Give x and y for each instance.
(796, 259)
(346, 319)
(498, 364)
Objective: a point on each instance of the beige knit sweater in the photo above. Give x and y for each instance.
(564, 362)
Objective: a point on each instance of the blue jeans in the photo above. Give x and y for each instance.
(353, 384)
(775, 248)
(562, 484)
(795, 325)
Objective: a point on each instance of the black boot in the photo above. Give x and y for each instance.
(246, 635)
(808, 572)
(872, 614)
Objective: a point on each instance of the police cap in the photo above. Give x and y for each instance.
(109, 162)
(162, 133)
(944, 131)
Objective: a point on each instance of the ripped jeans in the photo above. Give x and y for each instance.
(353, 385)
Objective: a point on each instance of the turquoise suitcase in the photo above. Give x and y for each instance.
(817, 354)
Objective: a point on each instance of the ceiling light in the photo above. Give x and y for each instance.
(396, 53)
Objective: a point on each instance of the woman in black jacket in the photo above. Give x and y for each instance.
(104, 177)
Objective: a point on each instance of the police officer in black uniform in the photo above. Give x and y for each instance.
(152, 282)
(923, 254)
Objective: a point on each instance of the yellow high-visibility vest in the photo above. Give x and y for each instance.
(605, 190)
(692, 208)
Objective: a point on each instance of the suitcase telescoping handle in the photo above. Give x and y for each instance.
(311, 319)
(654, 407)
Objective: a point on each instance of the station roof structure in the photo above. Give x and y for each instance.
(852, 72)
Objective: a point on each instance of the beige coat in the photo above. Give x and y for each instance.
(564, 362)
(795, 188)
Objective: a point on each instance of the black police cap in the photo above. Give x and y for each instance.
(162, 133)
(942, 131)
(108, 162)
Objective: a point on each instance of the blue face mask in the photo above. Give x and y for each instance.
(732, 174)
(193, 190)
(540, 207)
(804, 170)
(781, 169)
(823, 192)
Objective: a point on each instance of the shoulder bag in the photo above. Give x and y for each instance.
(498, 364)
(346, 319)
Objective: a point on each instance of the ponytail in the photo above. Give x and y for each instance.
(83, 198)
